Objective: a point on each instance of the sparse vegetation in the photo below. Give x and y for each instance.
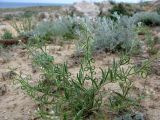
(109, 35)
(7, 35)
(102, 80)
(158, 10)
(8, 17)
(112, 2)
(24, 26)
(148, 18)
(151, 42)
(28, 14)
(62, 28)
(122, 9)
(62, 96)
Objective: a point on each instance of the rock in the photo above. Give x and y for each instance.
(3, 89)
(85, 9)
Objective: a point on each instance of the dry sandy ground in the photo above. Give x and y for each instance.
(15, 105)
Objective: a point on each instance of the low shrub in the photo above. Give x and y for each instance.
(112, 2)
(158, 10)
(60, 95)
(142, 29)
(7, 35)
(121, 9)
(8, 17)
(151, 42)
(112, 36)
(109, 35)
(28, 14)
(147, 18)
(63, 27)
(24, 25)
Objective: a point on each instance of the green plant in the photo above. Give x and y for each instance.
(151, 42)
(60, 95)
(142, 29)
(28, 14)
(136, 47)
(24, 26)
(109, 35)
(8, 17)
(136, 116)
(148, 18)
(122, 101)
(7, 35)
(112, 2)
(70, 99)
(121, 9)
(63, 27)
(158, 10)
(119, 35)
